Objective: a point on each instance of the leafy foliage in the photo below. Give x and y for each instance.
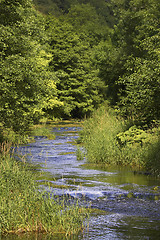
(24, 78)
(61, 7)
(66, 63)
(78, 85)
(90, 26)
(134, 135)
(131, 68)
(108, 141)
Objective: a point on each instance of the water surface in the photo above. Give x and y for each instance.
(128, 204)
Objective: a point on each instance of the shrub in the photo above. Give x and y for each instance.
(107, 140)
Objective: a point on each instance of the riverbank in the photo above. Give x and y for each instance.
(24, 208)
(122, 203)
(109, 140)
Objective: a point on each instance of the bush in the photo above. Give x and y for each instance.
(8, 135)
(133, 135)
(107, 140)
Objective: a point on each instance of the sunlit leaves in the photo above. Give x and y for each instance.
(78, 84)
(25, 82)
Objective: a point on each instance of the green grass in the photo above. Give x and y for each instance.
(109, 141)
(153, 158)
(79, 154)
(42, 131)
(24, 208)
(98, 135)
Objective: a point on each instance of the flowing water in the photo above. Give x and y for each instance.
(127, 205)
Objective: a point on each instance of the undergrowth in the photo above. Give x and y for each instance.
(108, 140)
(24, 208)
(41, 130)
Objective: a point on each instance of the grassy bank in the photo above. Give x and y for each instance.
(110, 140)
(41, 130)
(23, 208)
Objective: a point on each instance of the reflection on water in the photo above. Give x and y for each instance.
(130, 202)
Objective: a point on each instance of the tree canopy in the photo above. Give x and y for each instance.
(78, 84)
(75, 55)
(131, 67)
(25, 81)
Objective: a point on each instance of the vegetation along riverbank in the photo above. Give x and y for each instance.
(24, 208)
(63, 60)
(110, 140)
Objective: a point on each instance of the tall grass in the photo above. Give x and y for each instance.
(99, 136)
(153, 158)
(42, 130)
(23, 208)
(108, 140)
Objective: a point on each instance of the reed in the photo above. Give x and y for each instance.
(110, 140)
(26, 208)
(42, 130)
(99, 136)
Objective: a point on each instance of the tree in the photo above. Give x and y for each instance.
(55, 7)
(87, 23)
(78, 85)
(134, 72)
(24, 57)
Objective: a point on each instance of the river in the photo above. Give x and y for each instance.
(126, 205)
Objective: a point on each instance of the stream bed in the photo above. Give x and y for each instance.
(127, 205)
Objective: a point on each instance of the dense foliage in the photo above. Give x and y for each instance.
(108, 140)
(67, 62)
(27, 88)
(60, 7)
(79, 87)
(132, 66)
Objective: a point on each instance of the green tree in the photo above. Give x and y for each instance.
(87, 23)
(103, 9)
(78, 86)
(24, 57)
(55, 7)
(132, 65)
(47, 7)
